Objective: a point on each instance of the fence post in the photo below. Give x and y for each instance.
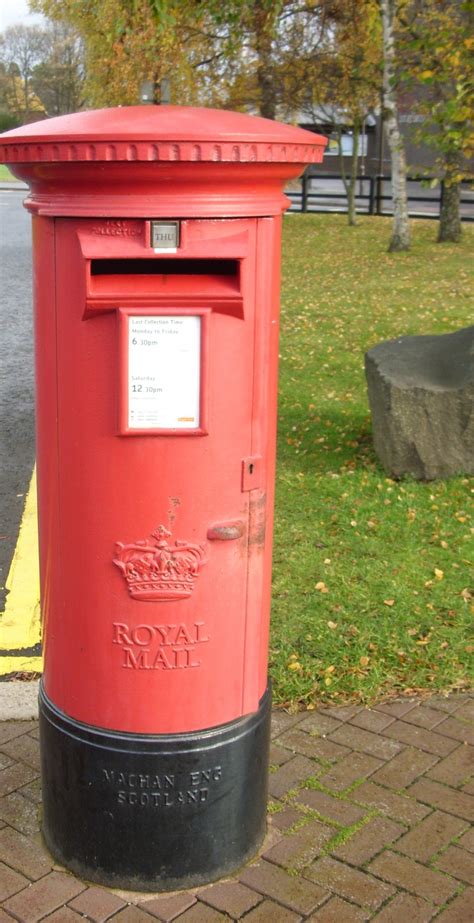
(378, 194)
(371, 194)
(304, 192)
(441, 197)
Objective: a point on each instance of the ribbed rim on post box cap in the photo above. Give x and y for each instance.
(170, 161)
(160, 133)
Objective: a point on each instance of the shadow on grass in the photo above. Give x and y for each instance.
(333, 442)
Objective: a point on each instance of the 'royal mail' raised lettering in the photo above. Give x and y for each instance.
(159, 647)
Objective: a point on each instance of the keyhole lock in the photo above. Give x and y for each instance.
(252, 472)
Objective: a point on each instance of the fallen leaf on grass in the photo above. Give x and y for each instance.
(321, 587)
(389, 602)
(439, 574)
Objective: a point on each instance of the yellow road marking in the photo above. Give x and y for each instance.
(20, 623)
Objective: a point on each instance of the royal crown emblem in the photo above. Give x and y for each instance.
(156, 571)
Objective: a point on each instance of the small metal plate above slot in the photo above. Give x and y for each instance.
(252, 472)
(164, 235)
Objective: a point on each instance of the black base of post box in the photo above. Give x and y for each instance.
(154, 812)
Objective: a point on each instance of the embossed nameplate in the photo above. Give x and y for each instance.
(162, 790)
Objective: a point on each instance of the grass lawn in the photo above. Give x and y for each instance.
(5, 174)
(370, 581)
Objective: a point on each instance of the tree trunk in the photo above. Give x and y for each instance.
(349, 182)
(351, 206)
(346, 180)
(263, 22)
(267, 95)
(27, 98)
(400, 231)
(340, 155)
(450, 228)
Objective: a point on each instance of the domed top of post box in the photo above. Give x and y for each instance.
(168, 160)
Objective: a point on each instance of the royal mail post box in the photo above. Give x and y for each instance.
(156, 237)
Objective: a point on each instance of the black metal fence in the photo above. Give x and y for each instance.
(323, 192)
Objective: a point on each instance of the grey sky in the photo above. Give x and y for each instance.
(15, 11)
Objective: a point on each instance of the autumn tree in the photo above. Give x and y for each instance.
(227, 54)
(22, 48)
(342, 76)
(268, 43)
(250, 71)
(319, 55)
(129, 41)
(436, 38)
(58, 79)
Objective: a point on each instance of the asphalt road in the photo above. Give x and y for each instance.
(16, 371)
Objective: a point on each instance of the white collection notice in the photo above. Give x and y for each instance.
(164, 372)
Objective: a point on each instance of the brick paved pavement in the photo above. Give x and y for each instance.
(370, 818)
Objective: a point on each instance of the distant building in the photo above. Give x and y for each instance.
(420, 157)
(374, 155)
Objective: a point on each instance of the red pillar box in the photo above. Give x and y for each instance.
(156, 266)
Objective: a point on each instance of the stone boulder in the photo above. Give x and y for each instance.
(421, 391)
